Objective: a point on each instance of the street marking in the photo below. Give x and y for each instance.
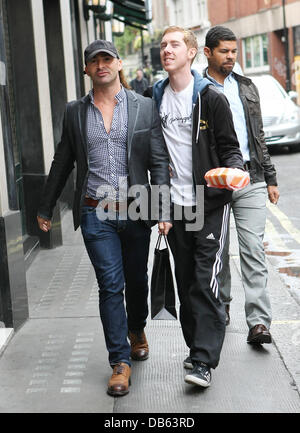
(284, 322)
(81, 359)
(47, 361)
(38, 382)
(82, 346)
(74, 373)
(80, 352)
(72, 382)
(69, 390)
(77, 367)
(31, 390)
(43, 367)
(285, 222)
(57, 338)
(275, 237)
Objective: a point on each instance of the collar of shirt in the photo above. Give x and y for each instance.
(119, 96)
(229, 78)
(231, 91)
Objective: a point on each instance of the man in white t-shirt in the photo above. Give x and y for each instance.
(176, 116)
(199, 133)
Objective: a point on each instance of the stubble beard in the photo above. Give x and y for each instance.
(224, 71)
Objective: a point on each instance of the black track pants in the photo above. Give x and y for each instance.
(197, 256)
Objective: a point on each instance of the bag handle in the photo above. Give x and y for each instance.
(159, 241)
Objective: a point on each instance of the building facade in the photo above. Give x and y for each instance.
(268, 33)
(41, 69)
(189, 14)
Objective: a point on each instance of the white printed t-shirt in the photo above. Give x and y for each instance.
(176, 118)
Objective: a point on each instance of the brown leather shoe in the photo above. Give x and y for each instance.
(139, 346)
(259, 334)
(119, 382)
(227, 308)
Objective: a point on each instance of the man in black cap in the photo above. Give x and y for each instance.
(114, 136)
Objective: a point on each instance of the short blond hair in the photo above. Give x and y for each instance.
(189, 36)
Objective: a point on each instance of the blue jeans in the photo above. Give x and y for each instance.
(118, 249)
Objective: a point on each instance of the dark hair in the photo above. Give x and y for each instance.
(123, 79)
(217, 34)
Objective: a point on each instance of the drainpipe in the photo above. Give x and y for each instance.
(286, 47)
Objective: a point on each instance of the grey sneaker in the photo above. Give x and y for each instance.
(200, 375)
(187, 363)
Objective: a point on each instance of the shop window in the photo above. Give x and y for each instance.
(296, 31)
(255, 51)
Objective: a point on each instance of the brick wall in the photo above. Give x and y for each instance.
(227, 11)
(277, 57)
(277, 54)
(220, 11)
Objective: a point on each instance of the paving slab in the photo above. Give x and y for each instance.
(246, 380)
(57, 361)
(56, 365)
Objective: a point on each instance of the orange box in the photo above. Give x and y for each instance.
(229, 178)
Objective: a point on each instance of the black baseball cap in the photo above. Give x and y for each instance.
(100, 46)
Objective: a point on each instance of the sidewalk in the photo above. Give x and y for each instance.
(57, 362)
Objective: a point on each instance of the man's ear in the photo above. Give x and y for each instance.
(120, 64)
(192, 53)
(207, 52)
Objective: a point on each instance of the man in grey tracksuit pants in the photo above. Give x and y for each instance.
(249, 204)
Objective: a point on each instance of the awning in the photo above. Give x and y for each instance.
(135, 13)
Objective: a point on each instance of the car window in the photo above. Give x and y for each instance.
(269, 89)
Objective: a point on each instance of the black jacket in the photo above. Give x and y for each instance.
(214, 141)
(139, 86)
(146, 151)
(261, 167)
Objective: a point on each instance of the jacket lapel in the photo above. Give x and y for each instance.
(133, 111)
(82, 115)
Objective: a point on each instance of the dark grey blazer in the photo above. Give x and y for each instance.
(147, 152)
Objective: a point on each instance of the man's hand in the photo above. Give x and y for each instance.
(273, 193)
(164, 227)
(44, 224)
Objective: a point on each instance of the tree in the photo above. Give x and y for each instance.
(125, 43)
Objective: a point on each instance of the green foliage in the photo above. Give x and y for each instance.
(125, 42)
(138, 41)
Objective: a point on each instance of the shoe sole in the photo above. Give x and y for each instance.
(136, 358)
(117, 393)
(260, 339)
(188, 365)
(192, 380)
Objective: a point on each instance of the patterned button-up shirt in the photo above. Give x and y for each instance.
(107, 152)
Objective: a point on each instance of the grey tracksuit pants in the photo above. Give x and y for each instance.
(249, 211)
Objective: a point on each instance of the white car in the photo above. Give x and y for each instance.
(281, 116)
